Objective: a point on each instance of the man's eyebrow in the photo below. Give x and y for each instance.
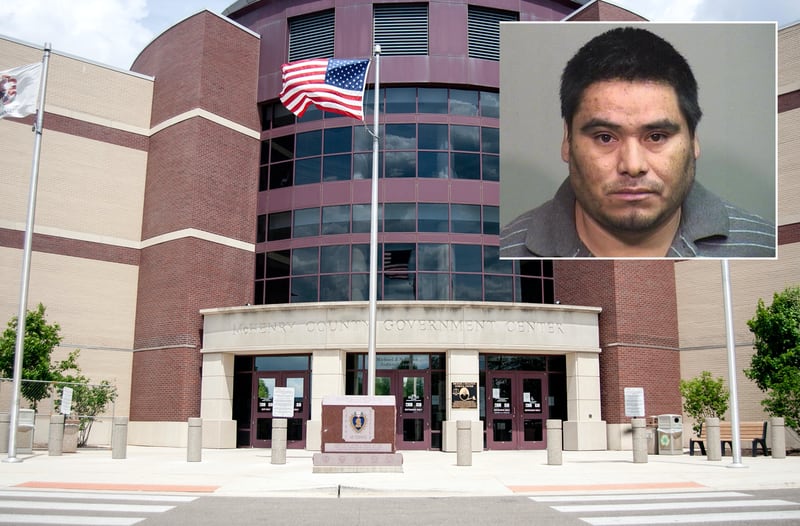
(666, 125)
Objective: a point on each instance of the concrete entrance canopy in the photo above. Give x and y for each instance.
(462, 330)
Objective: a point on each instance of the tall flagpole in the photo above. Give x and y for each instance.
(736, 444)
(373, 232)
(26, 263)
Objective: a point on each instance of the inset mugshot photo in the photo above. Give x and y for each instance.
(638, 140)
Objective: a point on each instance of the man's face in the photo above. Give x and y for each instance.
(631, 157)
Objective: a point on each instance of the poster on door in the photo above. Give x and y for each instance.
(412, 404)
(530, 404)
(500, 404)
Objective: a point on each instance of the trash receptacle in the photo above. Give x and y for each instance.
(651, 430)
(670, 435)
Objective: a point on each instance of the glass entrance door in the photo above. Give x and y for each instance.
(515, 410)
(263, 391)
(411, 391)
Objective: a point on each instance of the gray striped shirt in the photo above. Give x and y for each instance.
(709, 228)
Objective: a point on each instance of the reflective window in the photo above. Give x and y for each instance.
(282, 363)
(491, 167)
(492, 262)
(463, 102)
(433, 137)
(261, 228)
(280, 175)
(338, 140)
(467, 287)
(309, 143)
(335, 258)
(465, 165)
(336, 219)
(433, 100)
(433, 286)
(279, 226)
(362, 139)
(433, 217)
(401, 164)
(490, 104)
(467, 258)
(498, 288)
(466, 138)
(361, 218)
(282, 148)
(306, 222)
(305, 261)
(307, 171)
(399, 217)
(466, 219)
(334, 288)
(304, 290)
(490, 140)
(277, 264)
(401, 100)
(360, 260)
(433, 165)
(434, 256)
(491, 220)
(362, 165)
(400, 137)
(336, 167)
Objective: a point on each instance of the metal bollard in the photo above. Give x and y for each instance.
(194, 441)
(639, 426)
(554, 439)
(279, 440)
(777, 443)
(119, 437)
(463, 442)
(55, 440)
(714, 446)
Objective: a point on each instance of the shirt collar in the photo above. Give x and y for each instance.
(552, 231)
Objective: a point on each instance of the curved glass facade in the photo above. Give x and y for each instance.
(438, 240)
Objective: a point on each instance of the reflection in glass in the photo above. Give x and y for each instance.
(304, 290)
(336, 167)
(305, 261)
(433, 137)
(401, 164)
(433, 217)
(336, 219)
(433, 165)
(465, 165)
(306, 222)
(465, 138)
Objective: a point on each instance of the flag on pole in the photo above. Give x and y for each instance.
(331, 84)
(19, 90)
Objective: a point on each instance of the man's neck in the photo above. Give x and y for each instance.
(604, 243)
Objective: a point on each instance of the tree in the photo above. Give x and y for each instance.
(704, 397)
(775, 366)
(88, 401)
(40, 340)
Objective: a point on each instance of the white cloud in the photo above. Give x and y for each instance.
(107, 31)
(111, 32)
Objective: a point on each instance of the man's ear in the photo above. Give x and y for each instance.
(565, 144)
(696, 144)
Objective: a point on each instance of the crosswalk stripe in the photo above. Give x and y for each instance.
(639, 496)
(70, 520)
(95, 496)
(660, 506)
(694, 517)
(85, 506)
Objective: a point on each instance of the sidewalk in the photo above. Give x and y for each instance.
(249, 472)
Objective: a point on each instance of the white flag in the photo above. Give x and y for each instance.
(19, 90)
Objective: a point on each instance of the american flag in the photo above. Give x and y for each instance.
(331, 84)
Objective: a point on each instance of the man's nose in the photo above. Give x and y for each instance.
(632, 159)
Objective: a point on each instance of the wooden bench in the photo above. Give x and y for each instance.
(755, 431)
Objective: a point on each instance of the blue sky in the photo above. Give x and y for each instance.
(115, 31)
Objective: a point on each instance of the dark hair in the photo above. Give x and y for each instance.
(629, 53)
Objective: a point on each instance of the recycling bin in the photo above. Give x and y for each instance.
(670, 435)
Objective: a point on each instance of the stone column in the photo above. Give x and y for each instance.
(714, 446)
(639, 426)
(55, 440)
(464, 442)
(777, 443)
(119, 438)
(554, 441)
(279, 440)
(194, 441)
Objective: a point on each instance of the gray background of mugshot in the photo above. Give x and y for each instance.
(735, 67)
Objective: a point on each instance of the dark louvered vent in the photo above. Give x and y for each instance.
(311, 36)
(484, 31)
(401, 29)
